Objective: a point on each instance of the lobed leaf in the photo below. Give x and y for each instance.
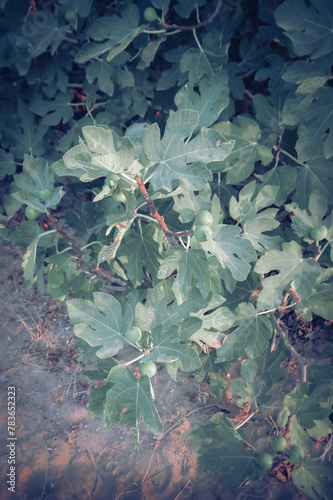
(100, 323)
(178, 159)
(292, 269)
(251, 336)
(130, 398)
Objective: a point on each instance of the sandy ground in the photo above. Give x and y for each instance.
(59, 454)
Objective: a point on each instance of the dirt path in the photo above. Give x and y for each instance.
(58, 453)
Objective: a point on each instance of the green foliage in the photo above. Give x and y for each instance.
(197, 168)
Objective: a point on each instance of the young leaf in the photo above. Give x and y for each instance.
(129, 399)
(103, 72)
(217, 384)
(178, 159)
(100, 323)
(292, 269)
(252, 335)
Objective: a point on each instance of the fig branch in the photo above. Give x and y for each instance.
(170, 236)
(63, 233)
(198, 25)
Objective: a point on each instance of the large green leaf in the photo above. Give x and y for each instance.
(250, 388)
(252, 335)
(319, 302)
(7, 164)
(142, 252)
(248, 210)
(258, 376)
(104, 152)
(24, 136)
(97, 401)
(314, 113)
(107, 73)
(166, 348)
(233, 252)
(100, 323)
(251, 200)
(314, 478)
(292, 269)
(211, 101)
(42, 33)
(129, 399)
(225, 454)
(162, 309)
(310, 28)
(206, 60)
(82, 218)
(283, 177)
(180, 159)
(311, 403)
(187, 262)
(268, 111)
(55, 111)
(110, 152)
(246, 133)
(118, 33)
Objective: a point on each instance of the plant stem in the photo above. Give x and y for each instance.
(293, 157)
(135, 359)
(302, 361)
(246, 420)
(202, 50)
(198, 25)
(65, 235)
(317, 257)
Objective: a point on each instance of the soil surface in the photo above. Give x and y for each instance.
(60, 455)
